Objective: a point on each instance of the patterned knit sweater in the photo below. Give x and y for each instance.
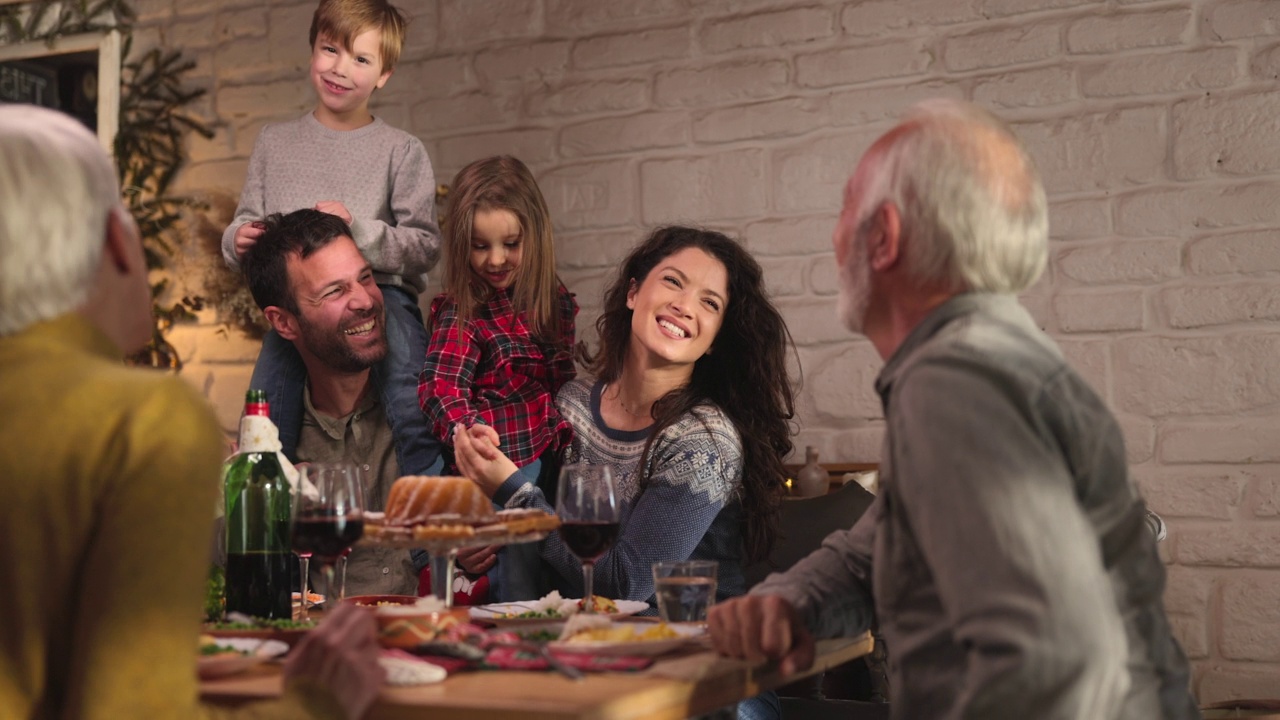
(689, 508)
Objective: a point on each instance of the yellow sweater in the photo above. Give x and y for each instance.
(107, 483)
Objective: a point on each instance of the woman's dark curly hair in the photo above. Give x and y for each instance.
(745, 374)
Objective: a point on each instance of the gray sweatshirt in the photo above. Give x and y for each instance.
(382, 175)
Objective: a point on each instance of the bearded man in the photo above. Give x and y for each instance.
(318, 292)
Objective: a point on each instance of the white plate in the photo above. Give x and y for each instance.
(313, 598)
(259, 651)
(688, 634)
(494, 612)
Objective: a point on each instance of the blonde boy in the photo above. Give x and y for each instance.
(342, 160)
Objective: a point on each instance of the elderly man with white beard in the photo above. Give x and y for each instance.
(1005, 559)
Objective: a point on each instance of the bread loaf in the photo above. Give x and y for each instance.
(414, 498)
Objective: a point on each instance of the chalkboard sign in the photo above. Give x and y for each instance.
(28, 82)
(79, 75)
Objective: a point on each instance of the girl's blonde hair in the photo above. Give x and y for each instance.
(503, 182)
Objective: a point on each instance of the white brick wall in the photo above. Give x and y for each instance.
(1154, 122)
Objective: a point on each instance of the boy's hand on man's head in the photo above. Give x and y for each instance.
(246, 235)
(333, 207)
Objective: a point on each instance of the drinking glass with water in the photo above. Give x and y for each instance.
(685, 589)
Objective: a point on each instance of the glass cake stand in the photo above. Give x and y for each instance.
(444, 553)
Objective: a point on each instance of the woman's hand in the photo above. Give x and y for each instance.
(486, 440)
(479, 460)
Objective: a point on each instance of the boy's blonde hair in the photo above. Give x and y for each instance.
(503, 182)
(342, 20)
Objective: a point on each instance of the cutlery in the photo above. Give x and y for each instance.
(457, 650)
(554, 663)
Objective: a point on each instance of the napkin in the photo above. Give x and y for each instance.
(404, 669)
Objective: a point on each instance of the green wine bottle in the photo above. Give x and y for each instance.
(256, 494)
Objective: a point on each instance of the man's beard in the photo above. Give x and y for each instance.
(855, 287)
(334, 349)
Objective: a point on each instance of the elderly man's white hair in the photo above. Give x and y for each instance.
(57, 189)
(972, 205)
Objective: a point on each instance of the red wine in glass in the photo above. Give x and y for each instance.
(325, 533)
(587, 503)
(328, 513)
(589, 540)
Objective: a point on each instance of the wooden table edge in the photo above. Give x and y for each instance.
(657, 695)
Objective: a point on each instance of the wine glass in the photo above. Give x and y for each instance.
(587, 503)
(328, 514)
(342, 575)
(304, 567)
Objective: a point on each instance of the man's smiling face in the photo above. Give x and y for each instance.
(340, 308)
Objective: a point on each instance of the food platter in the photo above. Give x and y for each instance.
(247, 653)
(440, 546)
(289, 636)
(448, 532)
(443, 535)
(686, 635)
(496, 613)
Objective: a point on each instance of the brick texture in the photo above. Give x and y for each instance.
(1120, 261)
(1152, 121)
(1251, 630)
(1007, 45)
(1110, 33)
(768, 29)
(1225, 136)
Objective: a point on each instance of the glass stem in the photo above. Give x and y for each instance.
(305, 567)
(342, 578)
(327, 568)
(588, 577)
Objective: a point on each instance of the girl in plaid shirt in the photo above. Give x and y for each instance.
(502, 332)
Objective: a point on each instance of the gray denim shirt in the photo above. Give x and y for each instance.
(365, 438)
(1012, 574)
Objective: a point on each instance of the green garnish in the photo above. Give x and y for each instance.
(540, 636)
(281, 624)
(534, 614)
(219, 649)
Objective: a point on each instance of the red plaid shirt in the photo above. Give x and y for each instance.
(492, 370)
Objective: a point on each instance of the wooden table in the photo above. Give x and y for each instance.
(673, 688)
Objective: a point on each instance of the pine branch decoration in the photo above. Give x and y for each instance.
(149, 146)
